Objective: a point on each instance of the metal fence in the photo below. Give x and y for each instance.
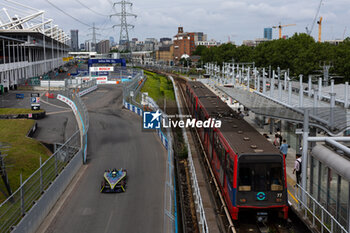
(30, 190)
(195, 188)
(21, 201)
(320, 218)
(166, 68)
(132, 89)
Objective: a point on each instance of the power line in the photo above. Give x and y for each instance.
(100, 14)
(76, 19)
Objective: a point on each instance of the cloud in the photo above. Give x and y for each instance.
(220, 18)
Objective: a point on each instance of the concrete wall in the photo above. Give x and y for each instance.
(32, 220)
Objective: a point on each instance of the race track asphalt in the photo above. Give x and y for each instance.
(115, 139)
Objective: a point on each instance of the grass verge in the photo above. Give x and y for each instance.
(15, 111)
(24, 153)
(158, 87)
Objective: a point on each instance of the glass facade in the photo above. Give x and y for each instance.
(268, 33)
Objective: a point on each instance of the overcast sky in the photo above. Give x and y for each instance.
(219, 19)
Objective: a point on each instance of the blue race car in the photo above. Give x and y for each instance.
(114, 181)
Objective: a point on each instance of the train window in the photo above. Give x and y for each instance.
(229, 169)
(245, 180)
(276, 179)
(200, 117)
(219, 149)
(260, 177)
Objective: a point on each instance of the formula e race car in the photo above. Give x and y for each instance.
(114, 181)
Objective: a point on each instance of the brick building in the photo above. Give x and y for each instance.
(184, 43)
(165, 53)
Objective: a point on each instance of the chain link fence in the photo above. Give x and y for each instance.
(30, 190)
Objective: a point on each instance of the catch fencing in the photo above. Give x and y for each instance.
(132, 103)
(20, 202)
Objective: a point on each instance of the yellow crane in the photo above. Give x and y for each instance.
(280, 28)
(319, 29)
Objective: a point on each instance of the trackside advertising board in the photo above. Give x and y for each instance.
(102, 68)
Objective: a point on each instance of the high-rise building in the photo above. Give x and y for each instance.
(268, 33)
(88, 46)
(74, 40)
(102, 47)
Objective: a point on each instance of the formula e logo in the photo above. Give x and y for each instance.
(151, 120)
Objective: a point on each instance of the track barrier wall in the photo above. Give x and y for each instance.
(41, 209)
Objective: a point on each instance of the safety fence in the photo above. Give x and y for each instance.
(320, 218)
(170, 207)
(21, 201)
(19, 204)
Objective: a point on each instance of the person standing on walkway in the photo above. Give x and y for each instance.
(284, 148)
(276, 142)
(297, 168)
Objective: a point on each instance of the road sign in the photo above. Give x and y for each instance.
(35, 101)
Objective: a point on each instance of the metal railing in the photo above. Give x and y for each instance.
(132, 88)
(195, 188)
(319, 216)
(21, 201)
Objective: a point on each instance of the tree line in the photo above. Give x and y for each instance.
(301, 54)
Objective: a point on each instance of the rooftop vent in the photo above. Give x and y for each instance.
(258, 150)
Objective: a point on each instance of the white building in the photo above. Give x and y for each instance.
(30, 46)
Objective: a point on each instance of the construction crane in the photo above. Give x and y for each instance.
(280, 28)
(319, 29)
(309, 31)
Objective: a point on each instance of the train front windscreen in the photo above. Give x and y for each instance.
(260, 180)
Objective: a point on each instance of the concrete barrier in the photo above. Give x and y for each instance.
(32, 220)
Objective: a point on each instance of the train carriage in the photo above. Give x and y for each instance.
(249, 169)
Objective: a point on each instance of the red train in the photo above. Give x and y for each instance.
(249, 169)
